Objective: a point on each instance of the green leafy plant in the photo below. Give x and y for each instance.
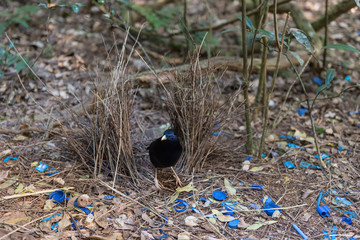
(20, 15)
(8, 59)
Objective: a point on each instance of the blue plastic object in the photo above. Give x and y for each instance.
(302, 234)
(219, 133)
(341, 201)
(9, 158)
(57, 196)
(202, 199)
(229, 207)
(287, 137)
(323, 156)
(318, 80)
(333, 233)
(257, 187)
(52, 171)
(326, 234)
(164, 235)
(302, 111)
(340, 148)
(295, 146)
(270, 207)
(234, 223)
(182, 206)
(346, 220)
(248, 158)
(55, 227)
(324, 211)
(354, 112)
(51, 217)
(289, 164)
(347, 78)
(42, 167)
(109, 197)
(304, 164)
(219, 195)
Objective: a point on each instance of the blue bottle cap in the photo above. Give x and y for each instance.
(219, 195)
(289, 164)
(234, 223)
(57, 196)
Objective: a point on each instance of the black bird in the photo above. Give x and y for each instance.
(165, 152)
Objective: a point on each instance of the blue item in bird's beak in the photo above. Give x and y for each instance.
(163, 138)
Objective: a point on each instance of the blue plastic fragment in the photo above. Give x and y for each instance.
(229, 207)
(256, 187)
(340, 148)
(287, 137)
(302, 111)
(333, 233)
(248, 158)
(219, 133)
(304, 164)
(195, 210)
(354, 112)
(51, 217)
(55, 227)
(349, 151)
(234, 223)
(270, 207)
(42, 167)
(57, 196)
(323, 156)
(289, 164)
(315, 167)
(341, 201)
(164, 235)
(346, 220)
(182, 206)
(52, 171)
(219, 195)
(83, 209)
(9, 158)
(296, 146)
(263, 155)
(324, 211)
(109, 197)
(274, 154)
(202, 199)
(358, 126)
(318, 80)
(302, 234)
(347, 78)
(326, 234)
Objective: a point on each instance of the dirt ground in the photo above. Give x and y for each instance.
(68, 48)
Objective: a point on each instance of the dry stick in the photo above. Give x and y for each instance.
(310, 113)
(36, 193)
(326, 31)
(281, 116)
(266, 107)
(249, 137)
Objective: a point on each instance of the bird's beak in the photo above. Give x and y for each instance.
(163, 138)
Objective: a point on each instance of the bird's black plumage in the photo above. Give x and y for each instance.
(165, 151)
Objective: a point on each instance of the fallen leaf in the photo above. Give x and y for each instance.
(259, 224)
(3, 175)
(187, 188)
(9, 182)
(229, 188)
(256, 169)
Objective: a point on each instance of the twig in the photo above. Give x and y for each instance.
(36, 193)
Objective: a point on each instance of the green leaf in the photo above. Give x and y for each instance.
(30, 8)
(20, 66)
(75, 8)
(20, 21)
(302, 39)
(342, 46)
(263, 33)
(319, 129)
(249, 23)
(330, 74)
(298, 58)
(322, 88)
(3, 26)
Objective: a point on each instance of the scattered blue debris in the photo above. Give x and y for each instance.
(289, 164)
(287, 137)
(83, 209)
(302, 234)
(295, 146)
(318, 81)
(274, 154)
(304, 164)
(55, 227)
(57, 196)
(219, 195)
(341, 201)
(302, 111)
(164, 235)
(182, 206)
(324, 211)
(326, 234)
(323, 156)
(346, 220)
(52, 171)
(340, 148)
(42, 167)
(257, 187)
(270, 207)
(248, 158)
(263, 155)
(51, 217)
(234, 223)
(354, 112)
(347, 78)
(9, 158)
(333, 233)
(219, 133)
(109, 197)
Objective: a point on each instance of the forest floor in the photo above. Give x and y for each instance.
(76, 48)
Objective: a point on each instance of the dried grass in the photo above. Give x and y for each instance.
(104, 142)
(196, 111)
